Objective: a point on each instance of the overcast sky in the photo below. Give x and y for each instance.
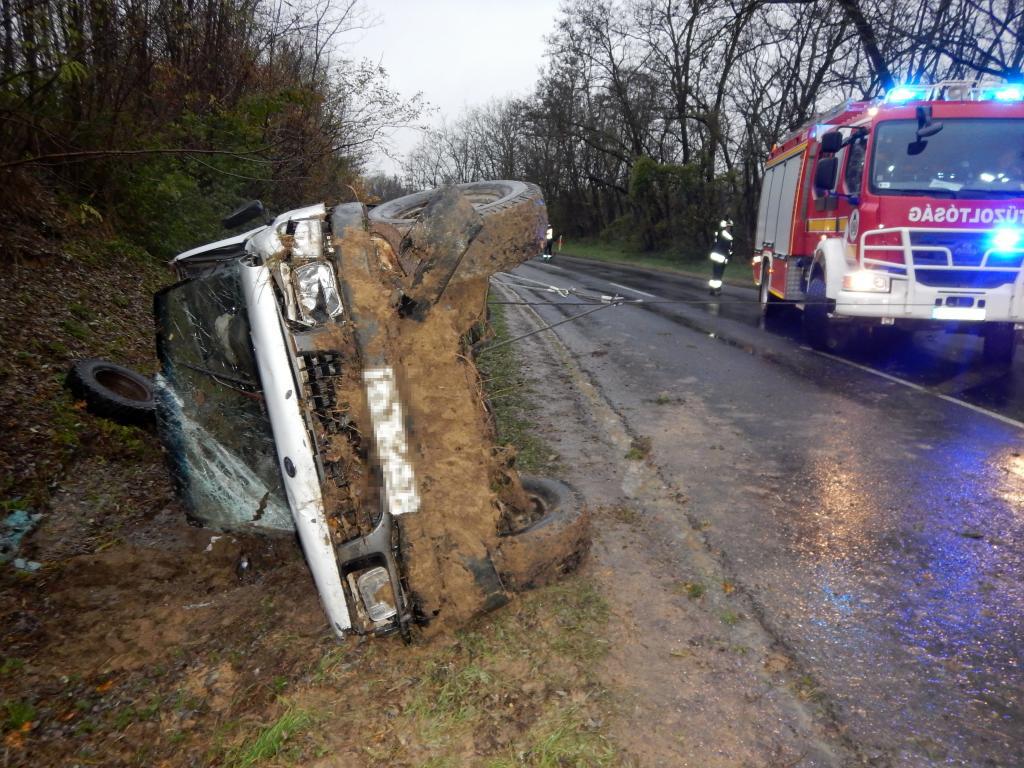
(457, 52)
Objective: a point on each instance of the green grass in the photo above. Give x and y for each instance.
(17, 713)
(269, 741)
(508, 395)
(526, 672)
(600, 250)
(639, 449)
(695, 264)
(561, 740)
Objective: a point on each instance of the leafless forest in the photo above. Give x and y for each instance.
(652, 117)
(648, 118)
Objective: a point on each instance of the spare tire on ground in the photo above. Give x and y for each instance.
(113, 391)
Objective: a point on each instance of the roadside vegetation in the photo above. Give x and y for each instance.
(509, 395)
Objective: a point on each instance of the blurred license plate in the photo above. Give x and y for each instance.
(958, 313)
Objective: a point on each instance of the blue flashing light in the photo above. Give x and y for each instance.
(1006, 238)
(901, 93)
(1011, 92)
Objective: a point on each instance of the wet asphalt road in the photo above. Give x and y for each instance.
(877, 526)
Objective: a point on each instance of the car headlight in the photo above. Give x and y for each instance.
(867, 281)
(317, 292)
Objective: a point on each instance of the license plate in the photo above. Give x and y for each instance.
(958, 313)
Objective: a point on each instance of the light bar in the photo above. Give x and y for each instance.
(903, 93)
(1009, 92)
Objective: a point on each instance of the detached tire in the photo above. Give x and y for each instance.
(113, 391)
(552, 544)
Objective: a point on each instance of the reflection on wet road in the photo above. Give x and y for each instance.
(878, 528)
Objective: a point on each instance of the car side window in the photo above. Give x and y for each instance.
(854, 174)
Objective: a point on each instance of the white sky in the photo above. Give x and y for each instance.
(459, 53)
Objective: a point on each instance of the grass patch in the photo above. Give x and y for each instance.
(269, 741)
(10, 666)
(17, 713)
(692, 589)
(671, 260)
(514, 688)
(730, 618)
(624, 514)
(562, 739)
(639, 449)
(508, 395)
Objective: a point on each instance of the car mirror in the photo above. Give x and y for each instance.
(251, 210)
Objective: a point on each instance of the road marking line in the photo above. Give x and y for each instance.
(925, 390)
(634, 290)
(552, 266)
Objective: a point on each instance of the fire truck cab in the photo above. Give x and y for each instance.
(907, 210)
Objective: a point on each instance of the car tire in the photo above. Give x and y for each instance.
(1000, 343)
(551, 544)
(460, 248)
(113, 391)
(488, 198)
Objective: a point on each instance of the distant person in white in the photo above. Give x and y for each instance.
(549, 240)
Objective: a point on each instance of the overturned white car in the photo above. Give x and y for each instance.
(317, 377)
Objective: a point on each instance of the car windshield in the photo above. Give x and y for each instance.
(967, 158)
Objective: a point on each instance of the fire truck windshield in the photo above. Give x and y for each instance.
(967, 158)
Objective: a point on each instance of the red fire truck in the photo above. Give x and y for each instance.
(907, 210)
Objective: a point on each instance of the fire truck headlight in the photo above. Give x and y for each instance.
(867, 281)
(1005, 238)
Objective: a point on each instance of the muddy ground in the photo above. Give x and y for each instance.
(141, 642)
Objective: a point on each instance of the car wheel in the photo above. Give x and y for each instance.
(440, 242)
(546, 541)
(113, 391)
(488, 198)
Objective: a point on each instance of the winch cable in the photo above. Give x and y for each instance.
(613, 302)
(538, 286)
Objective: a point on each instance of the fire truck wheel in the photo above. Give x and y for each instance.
(817, 328)
(1000, 343)
(770, 304)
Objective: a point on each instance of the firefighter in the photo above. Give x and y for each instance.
(549, 240)
(720, 253)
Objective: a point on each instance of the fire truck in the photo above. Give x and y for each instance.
(906, 211)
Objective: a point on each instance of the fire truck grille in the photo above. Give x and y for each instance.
(934, 250)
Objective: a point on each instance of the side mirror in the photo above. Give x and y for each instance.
(251, 210)
(831, 142)
(925, 126)
(825, 174)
